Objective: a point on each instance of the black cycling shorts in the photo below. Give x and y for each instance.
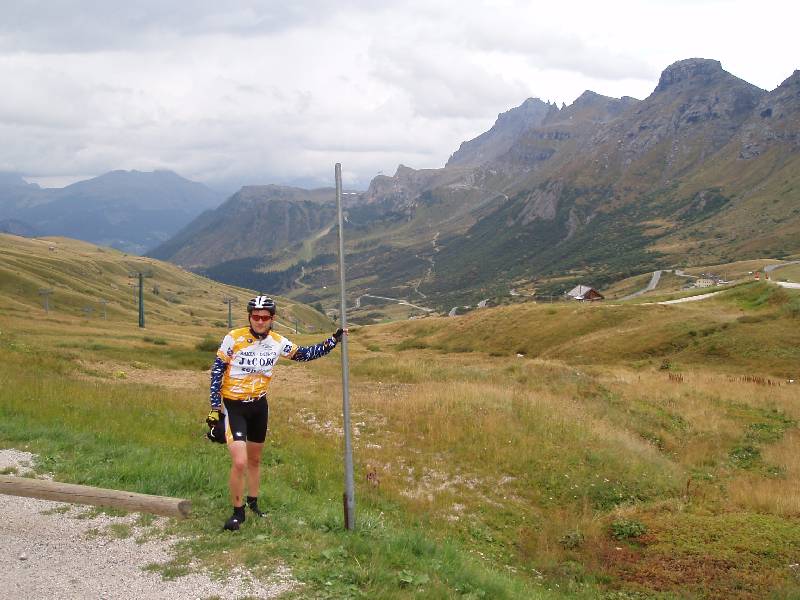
(246, 420)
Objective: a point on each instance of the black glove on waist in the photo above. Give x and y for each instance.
(216, 426)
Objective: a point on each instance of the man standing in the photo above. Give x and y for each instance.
(239, 413)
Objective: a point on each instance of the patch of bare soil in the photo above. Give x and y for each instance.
(184, 379)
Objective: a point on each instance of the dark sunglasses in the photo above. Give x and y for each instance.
(261, 317)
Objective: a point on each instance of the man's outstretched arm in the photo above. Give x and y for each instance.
(306, 353)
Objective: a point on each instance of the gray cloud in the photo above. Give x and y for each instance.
(440, 80)
(260, 91)
(92, 25)
(550, 50)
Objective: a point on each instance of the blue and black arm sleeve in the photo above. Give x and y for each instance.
(306, 353)
(217, 371)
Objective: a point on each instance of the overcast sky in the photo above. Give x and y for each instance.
(254, 92)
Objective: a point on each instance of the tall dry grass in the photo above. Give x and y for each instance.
(777, 495)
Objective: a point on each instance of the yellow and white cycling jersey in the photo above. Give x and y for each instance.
(250, 361)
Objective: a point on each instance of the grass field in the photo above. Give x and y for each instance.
(90, 282)
(528, 451)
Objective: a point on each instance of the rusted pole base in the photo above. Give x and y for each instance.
(347, 524)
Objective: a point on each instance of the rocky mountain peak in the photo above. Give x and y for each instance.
(403, 171)
(691, 71)
(530, 107)
(793, 81)
(590, 107)
(774, 120)
(697, 105)
(587, 97)
(506, 130)
(785, 97)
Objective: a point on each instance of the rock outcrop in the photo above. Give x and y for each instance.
(506, 130)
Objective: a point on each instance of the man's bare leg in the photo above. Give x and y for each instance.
(254, 451)
(238, 450)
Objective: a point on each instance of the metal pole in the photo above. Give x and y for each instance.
(141, 300)
(349, 499)
(45, 292)
(229, 302)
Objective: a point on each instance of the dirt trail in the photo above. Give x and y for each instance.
(53, 550)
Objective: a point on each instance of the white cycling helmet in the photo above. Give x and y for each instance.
(261, 303)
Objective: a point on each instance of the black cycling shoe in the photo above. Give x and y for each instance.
(252, 502)
(235, 520)
(256, 511)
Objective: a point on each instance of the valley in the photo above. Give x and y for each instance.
(703, 171)
(536, 450)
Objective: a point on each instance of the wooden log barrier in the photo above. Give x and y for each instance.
(84, 494)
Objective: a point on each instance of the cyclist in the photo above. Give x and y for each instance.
(239, 413)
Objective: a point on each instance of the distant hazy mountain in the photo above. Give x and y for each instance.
(257, 221)
(16, 194)
(129, 210)
(705, 169)
(15, 227)
(14, 180)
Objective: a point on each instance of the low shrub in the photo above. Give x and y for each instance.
(207, 344)
(572, 540)
(623, 529)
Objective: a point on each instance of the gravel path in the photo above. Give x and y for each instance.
(47, 551)
(690, 298)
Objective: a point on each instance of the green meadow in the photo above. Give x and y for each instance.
(531, 451)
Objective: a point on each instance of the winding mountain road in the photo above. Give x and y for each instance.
(784, 284)
(650, 286)
(397, 300)
(771, 268)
